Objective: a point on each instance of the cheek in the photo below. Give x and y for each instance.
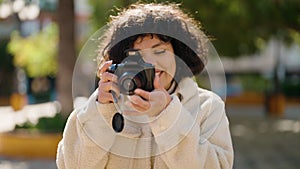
(166, 80)
(170, 69)
(168, 64)
(171, 66)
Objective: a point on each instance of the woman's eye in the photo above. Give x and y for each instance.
(160, 51)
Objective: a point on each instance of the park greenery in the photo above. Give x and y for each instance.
(36, 54)
(45, 124)
(237, 27)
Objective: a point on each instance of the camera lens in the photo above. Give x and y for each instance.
(129, 82)
(129, 85)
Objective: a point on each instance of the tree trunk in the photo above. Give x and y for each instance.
(66, 54)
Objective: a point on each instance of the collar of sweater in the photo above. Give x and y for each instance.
(186, 89)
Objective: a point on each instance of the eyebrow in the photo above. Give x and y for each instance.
(156, 45)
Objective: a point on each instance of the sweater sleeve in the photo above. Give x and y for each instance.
(76, 149)
(199, 141)
(80, 148)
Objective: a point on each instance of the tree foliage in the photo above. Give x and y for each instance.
(103, 9)
(237, 26)
(242, 26)
(37, 53)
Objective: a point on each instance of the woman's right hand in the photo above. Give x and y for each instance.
(107, 83)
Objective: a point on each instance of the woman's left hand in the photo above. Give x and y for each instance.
(149, 103)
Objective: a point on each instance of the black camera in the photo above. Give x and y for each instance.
(133, 73)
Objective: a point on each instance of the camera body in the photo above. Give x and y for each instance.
(133, 73)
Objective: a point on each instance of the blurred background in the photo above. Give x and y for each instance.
(258, 42)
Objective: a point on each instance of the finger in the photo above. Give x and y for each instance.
(136, 108)
(104, 97)
(139, 102)
(104, 68)
(111, 89)
(106, 76)
(156, 82)
(144, 94)
(109, 86)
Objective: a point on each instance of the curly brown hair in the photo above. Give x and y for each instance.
(168, 22)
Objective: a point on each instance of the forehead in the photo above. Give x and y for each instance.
(148, 41)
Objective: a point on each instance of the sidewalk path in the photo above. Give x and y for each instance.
(262, 142)
(7, 163)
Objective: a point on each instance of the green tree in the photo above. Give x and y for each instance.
(237, 26)
(102, 10)
(66, 54)
(6, 70)
(37, 53)
(242, 26)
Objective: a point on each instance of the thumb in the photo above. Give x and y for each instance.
(156, 82)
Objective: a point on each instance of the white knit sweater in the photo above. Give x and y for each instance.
(190, 133)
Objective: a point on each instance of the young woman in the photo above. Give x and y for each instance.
(176, 125)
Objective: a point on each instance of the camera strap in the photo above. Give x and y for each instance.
(172, 87)
(118, 119)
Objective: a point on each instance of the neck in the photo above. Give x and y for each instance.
(172, 87)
